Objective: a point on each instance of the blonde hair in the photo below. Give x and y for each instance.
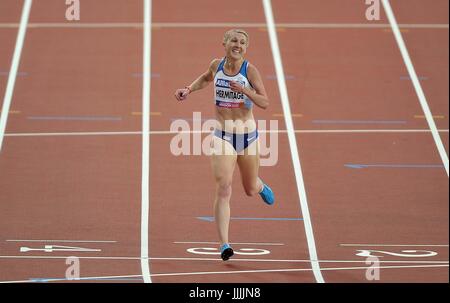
(228, 34)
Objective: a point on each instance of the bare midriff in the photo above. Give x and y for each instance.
(235, 120)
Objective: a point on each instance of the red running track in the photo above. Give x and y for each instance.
(70, 165)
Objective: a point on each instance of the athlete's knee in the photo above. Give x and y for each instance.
(251, 190)
(223, 188)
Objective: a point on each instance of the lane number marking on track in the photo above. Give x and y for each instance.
(410, 253)
(56, 248)
(241, 251)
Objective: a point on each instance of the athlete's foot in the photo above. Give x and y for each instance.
(226, 251)
(267, 195)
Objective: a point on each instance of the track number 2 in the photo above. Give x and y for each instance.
(404, 253)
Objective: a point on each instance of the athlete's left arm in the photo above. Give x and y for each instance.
(258, 95)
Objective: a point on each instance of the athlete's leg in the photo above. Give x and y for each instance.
(223, 160)
(249, 167)
(248, 163)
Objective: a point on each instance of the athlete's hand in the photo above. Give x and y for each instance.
(181, 94)
(236, 87)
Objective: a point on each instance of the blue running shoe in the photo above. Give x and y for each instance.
(267, 195)
(226, 251)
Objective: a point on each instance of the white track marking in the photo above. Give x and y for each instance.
(66, 241)
(294, 261)
(416, 83)
(14, 68)
(145, 208)
(40, 280)
(223, 25)
(397, 245)
(237, 272)
(167, 132)
(58, 248)
(292, 140)
(236, 243)
(218, 260)
(295, 270)
(69, 134)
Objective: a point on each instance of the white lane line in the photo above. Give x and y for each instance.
(416, 83)
(292, 140)
(223, 25)
(145, 209)
(252, 243)
(65, 241)
(235, 272)
(68, 134)
(14, 68)
(167, 132)
(296, 270)
(218, 260)
(296, 261)
(397, 245)
(42, 280)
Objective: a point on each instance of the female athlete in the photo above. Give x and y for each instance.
(238, 86)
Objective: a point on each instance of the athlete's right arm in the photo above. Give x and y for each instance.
(201, 82)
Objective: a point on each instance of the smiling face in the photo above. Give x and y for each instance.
(235, 43)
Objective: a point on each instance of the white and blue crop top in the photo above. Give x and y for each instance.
(224, 96)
